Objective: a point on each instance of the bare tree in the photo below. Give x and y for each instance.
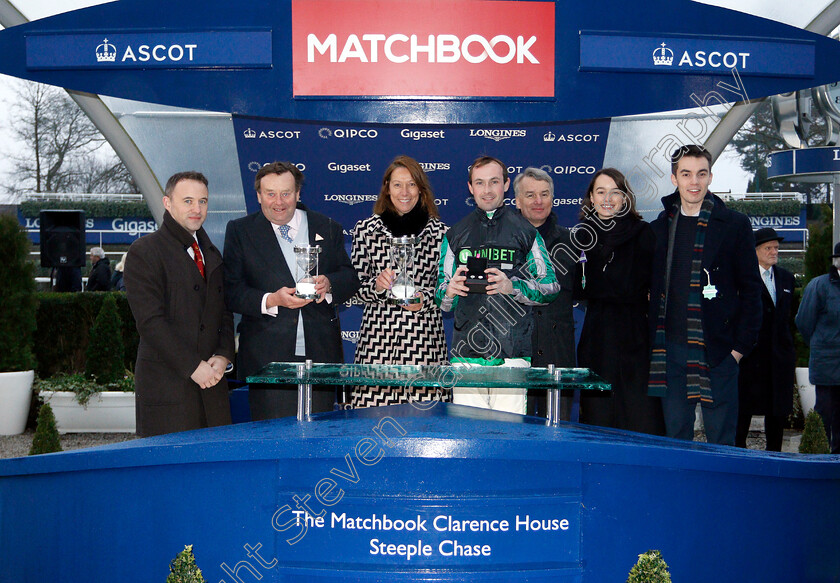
(58, 147)
(756, 140)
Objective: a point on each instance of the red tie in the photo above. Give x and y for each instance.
(197, 256)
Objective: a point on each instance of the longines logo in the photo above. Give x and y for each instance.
(255, 166)
(346, 133)
(498, 135)
(350, 336)
(272, 134)
(351, 199)
(432, 166)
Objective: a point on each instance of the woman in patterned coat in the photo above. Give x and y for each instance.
(392, 334)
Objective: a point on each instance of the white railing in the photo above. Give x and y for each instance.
(768, 196)
(78, 196)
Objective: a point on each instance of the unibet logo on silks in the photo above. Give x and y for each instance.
(501, 255)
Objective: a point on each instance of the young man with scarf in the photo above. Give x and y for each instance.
(705, 302)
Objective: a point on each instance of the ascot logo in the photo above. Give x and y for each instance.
(106, 52)
(272, 134)
(498, 135)
(663, 57)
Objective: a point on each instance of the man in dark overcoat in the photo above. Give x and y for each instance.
(765, 384)
(705, 295)
(553, 338)
(99, 278)
(260, 269)
(175, 286)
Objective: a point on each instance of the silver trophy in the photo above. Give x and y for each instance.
(306, 259)
(403, 291)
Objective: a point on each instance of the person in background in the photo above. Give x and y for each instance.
(765, 382)
(99, 278)
(553, 339)
(174, 282)
(117, 283)
(394, 334)
(614, 281)
(67, 279)
(818, 320)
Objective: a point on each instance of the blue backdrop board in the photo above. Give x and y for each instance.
(394, 493)
(99, 230)
(420, 62)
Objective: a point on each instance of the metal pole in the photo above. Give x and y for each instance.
(835, 235)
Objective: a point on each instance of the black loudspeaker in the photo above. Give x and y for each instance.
(63, 239)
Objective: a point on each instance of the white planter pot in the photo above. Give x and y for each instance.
(15, 398)
(109, 412)
(807, 392)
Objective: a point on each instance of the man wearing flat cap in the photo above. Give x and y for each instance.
(765, 382)
(818, 321)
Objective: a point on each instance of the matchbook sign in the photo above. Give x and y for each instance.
(474, 48)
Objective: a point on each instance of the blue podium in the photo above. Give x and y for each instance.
(448, 493)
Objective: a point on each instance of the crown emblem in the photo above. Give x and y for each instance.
(549, 137)
(106, 52)
(249, 133)
(663, 56)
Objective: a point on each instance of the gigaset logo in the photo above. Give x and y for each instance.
(347, 133)
(401, 48)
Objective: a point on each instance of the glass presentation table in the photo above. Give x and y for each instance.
(550, 379)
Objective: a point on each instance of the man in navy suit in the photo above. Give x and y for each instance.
(765, 384)
(260, 284)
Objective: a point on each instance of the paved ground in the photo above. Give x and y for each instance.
(18, 445)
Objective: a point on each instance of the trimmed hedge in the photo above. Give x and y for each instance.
(765, 208)
(106, 209)
(64, 323)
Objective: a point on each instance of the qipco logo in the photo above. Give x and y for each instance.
(347, 133)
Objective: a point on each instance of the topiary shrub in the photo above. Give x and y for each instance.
(183, 569)
(46, 438)
(818, 254)
(105, 351)
(64, 325)
(18, 304)
(650, 568)
(814, 439)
